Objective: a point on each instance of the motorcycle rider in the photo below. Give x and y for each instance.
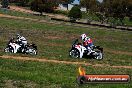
(12, 40)
(21, 41)
(87, 43)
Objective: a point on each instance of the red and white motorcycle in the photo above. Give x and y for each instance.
(79, 51)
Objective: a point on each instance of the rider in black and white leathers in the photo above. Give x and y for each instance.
(21, 41)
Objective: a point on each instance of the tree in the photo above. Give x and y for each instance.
(90, 5)
(37, 5)
(4, 3)
(116, 9)
(129, 9)
(75, 13)
(23, 2)
(43, 5)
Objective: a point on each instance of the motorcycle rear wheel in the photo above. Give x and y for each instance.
(32, 51)
(99, 55)
(7, 50)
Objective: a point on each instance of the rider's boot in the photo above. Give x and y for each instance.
(89, 52)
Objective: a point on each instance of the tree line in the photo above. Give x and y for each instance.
(109, 9)
(105, 10)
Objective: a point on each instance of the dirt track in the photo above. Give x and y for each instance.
(62, 62)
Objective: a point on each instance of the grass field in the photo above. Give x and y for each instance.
(53, 42)
(26, 74)
(21, 14)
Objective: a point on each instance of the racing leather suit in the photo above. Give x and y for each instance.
(22, 40)
(88, 44)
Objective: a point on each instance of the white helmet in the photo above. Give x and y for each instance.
(18, 36)
(83, 36)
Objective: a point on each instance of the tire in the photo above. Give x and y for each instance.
(74, 53)
(99, 55)
(32, 51)
(8, 49)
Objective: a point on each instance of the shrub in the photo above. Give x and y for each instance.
(75, 13)
(4, 3)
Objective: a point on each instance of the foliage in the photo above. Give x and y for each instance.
(75, 13)
(66, 1)
(43, 6)
(22, 3)
(91, 5)
(61, 12)
(4, 3)
(115, 9)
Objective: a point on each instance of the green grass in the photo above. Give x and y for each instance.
(53, 42)
(89, 16)
(52, 75)
(61, 12)
(20, 14)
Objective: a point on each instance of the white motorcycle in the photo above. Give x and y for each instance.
(79, 51)
(14, 47)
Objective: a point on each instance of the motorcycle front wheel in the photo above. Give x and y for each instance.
(74, 53)
(32, 51)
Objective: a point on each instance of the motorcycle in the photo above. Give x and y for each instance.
(79, 51)
(15, 47)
